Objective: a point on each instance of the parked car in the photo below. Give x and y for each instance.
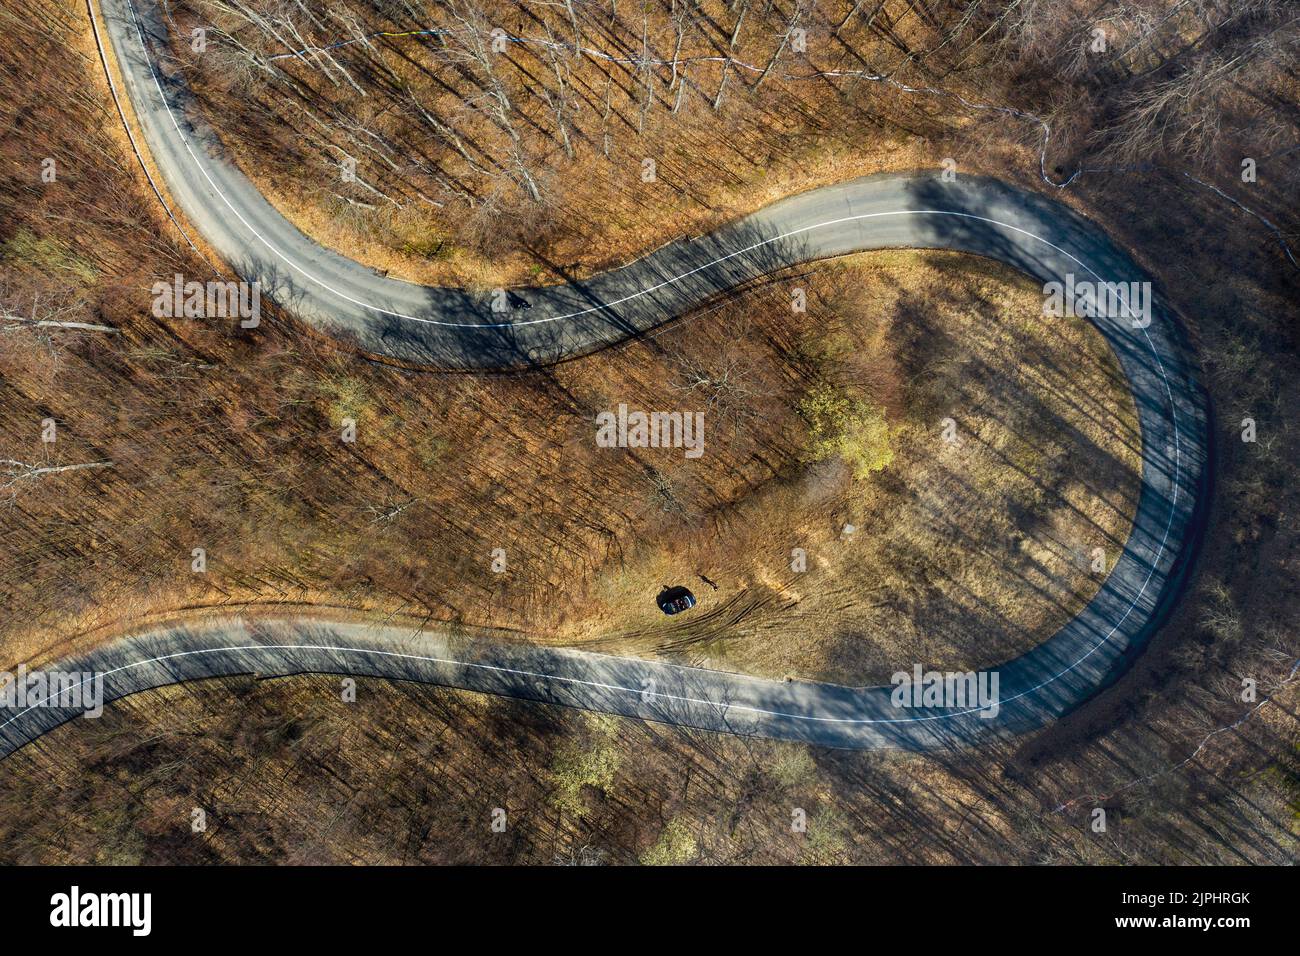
(675, 600)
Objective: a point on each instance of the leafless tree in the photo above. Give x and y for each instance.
(796, 18)
(14, 474)
(559, 99)
(470, 44)
(49, 309)
(724, 385)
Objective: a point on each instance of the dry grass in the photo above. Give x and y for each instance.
(286, 515)
(962, 554)
(229, 442)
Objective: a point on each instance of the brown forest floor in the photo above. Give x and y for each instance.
(286, 772)
(241, 424)
(965, 554)
(959, 554)
(426, 211)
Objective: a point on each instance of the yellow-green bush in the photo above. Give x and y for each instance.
(850, 428)
(676, 846)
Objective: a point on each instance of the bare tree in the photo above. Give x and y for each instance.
(796, 19)
(14, 473)
(558, 99)
(471, 45)
(724, 385)
(49, 309)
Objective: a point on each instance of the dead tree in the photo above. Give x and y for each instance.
(14, 473)
(49, 310)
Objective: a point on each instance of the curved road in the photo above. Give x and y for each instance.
(448, 327)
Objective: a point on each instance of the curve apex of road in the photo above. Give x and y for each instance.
(449, 327)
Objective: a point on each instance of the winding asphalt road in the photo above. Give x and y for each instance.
(448, 327)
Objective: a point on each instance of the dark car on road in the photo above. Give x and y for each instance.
(675, 600)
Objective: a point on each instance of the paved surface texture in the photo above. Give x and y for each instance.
(448, 327)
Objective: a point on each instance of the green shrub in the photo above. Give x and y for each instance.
(47, 254)
(348, 398)
(849, 428)
(577, 767)
(675, 846)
